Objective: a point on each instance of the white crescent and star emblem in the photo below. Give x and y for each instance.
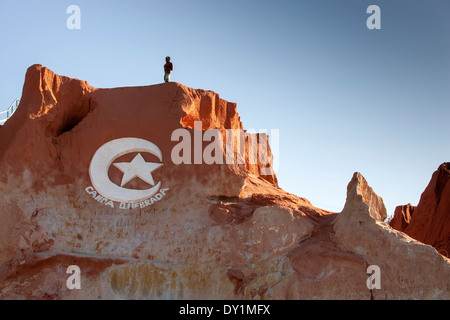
(138, 167)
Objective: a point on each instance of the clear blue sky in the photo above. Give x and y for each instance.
(345, 98)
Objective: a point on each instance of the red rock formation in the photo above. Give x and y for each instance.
(212, 230)
(402, 217)
(430, 223)
(403, 262)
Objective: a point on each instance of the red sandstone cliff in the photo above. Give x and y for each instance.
(212, 231)
(402, 217)
(429, 221)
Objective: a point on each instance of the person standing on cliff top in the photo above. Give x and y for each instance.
(168, 67)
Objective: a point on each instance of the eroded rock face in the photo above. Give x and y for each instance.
(405, 264)
(402, 217)
(431, 221)
(211, 231)
(359, 186)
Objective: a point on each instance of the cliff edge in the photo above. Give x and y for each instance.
(158, 192)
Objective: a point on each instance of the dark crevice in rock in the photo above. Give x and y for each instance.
(232, 213)
(76, 116)
(223, 199)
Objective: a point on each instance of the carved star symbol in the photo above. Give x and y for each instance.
(137, 168)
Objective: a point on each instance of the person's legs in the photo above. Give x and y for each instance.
(167, 77)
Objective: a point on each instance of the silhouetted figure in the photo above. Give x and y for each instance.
(168, 67)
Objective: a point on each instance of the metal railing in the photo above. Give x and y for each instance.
(9, 112)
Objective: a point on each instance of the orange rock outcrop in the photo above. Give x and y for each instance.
(213, 230)
(429, 221)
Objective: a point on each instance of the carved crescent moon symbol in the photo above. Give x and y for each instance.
(105, 156)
